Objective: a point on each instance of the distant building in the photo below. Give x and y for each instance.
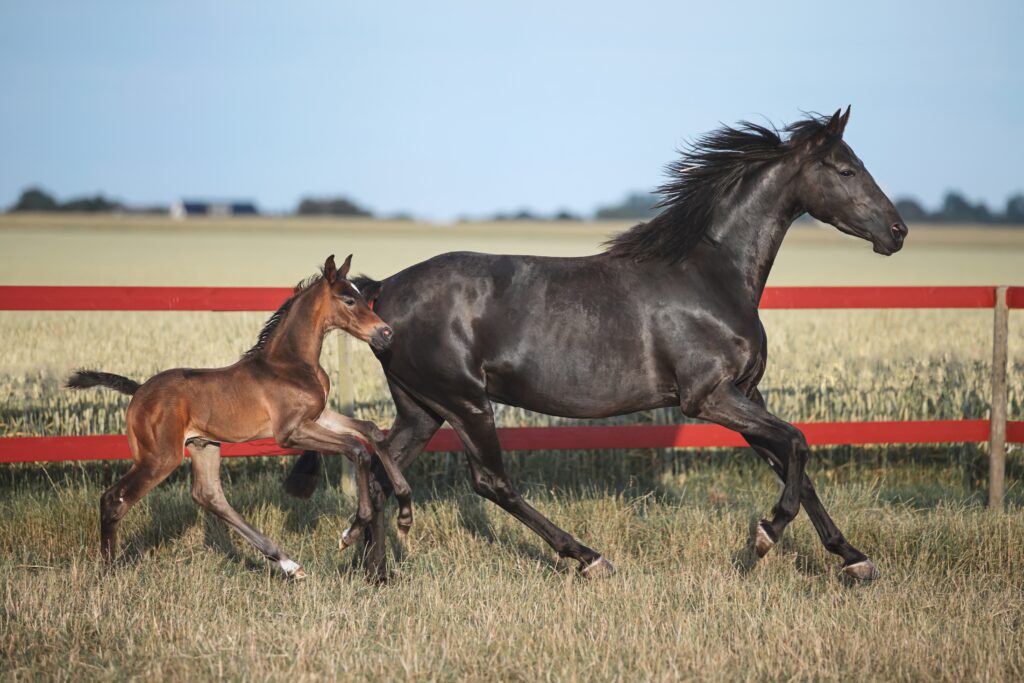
(192, 207)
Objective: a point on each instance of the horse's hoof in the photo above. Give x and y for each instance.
(762, 540)
(292, 570)
(865, 570)
(345, 541)
(598, 569)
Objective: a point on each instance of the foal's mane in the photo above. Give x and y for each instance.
(698, 180)
(275, 320)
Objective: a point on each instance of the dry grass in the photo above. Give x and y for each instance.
(477, 596)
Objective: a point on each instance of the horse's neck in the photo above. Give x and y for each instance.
(301, 336)
(750, 231)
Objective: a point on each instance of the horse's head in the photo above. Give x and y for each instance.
(348, 309)
(835, 188)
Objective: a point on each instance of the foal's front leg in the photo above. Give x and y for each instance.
(369, 432)
(311, 435)
(207, 492)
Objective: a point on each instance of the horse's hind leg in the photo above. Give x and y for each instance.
(414, 426)
(364, 509)
(207, 492)
(476, 429)
(369, 431)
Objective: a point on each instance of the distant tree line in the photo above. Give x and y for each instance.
(37, 199)
(330, 206)
(958, 209)
(955, 208)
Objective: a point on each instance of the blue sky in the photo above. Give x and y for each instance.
(449, 108)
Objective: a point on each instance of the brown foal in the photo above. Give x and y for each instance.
(278, 388)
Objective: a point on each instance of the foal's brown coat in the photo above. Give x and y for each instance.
(277, 389)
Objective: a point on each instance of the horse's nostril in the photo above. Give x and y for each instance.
(386, 333)
(899, 230)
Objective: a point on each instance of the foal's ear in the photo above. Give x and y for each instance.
(345, 266)
(330, 270)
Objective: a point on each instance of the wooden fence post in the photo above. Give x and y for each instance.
(997, 435)
(347, 404)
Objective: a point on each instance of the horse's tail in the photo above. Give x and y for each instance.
(368, 287)
(84, 379)
(301, 482)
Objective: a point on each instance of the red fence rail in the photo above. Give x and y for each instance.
(269, 298)
(61, 448)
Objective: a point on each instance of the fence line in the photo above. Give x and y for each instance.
(997, 431)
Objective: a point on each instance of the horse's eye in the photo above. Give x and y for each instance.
(846, 173)
(349, 301)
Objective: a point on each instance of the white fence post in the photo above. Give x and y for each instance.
(347, 403)
(997, 433)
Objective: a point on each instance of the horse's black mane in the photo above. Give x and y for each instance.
(705, 171)
(274, 321)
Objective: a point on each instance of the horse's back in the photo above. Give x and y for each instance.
(558, 335)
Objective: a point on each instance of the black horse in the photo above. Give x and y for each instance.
(666, 316)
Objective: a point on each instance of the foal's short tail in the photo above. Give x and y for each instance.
(301, 482)
(84, 379)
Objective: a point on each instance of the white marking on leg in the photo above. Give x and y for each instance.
(289, 567)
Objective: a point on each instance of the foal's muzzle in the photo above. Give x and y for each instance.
(382, 338)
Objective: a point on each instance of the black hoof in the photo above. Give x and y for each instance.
(865, 570)
(598, 569)
(763, 541)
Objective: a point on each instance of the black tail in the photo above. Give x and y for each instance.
(368, 287)
(83, 379)
(305, 475)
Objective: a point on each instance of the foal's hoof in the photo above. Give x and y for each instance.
(762, 540)
(598, 569)
(403, 536)
(292, 570)
(865, 570)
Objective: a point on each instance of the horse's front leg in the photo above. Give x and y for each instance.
(731, 408)
(370, 433)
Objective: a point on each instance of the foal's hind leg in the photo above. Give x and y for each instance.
(153, 463)
(207, 492)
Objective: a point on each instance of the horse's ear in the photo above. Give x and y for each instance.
(330, 270)
(835, 125)
(345, 266)
(844, 119)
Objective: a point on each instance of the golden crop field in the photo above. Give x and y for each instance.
(475, 590)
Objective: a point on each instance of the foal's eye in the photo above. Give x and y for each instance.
(349, 301)
(846, 173)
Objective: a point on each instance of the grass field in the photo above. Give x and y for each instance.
(476, 595)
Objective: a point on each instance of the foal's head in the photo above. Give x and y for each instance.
(834, 187)
(347, 309)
